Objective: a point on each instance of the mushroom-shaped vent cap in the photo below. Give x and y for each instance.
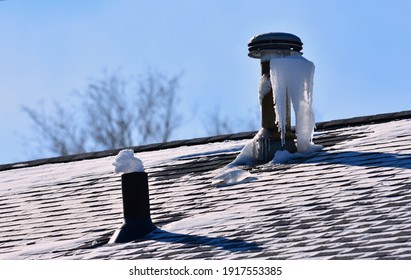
(273, 41)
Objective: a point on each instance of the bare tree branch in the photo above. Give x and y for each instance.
(157, 107)
(114, 116)
(109, 114)
(217, 124)
(58, 133)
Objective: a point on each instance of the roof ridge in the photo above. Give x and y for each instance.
(333, 124)
(370, 119)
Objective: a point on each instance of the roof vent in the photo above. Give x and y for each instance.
(286, 78)
(136, 206)
(268, 42)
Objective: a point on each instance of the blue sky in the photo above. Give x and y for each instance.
(49, 49)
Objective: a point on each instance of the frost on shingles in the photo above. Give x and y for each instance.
(293, 76)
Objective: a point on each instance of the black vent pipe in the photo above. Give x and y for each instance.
(136, 206)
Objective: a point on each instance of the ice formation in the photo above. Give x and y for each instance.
(247, 155)
(293, 76)
(290, 76)
(229, 175)
(264, 86)
(126, 162)
(281, 157)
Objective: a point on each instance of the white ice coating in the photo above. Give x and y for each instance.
(264, 86)
(229, 175)
(285, 156)
(293, 75)
(126, 162)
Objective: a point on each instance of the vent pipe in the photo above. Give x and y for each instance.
(136, 206)
(265, 47)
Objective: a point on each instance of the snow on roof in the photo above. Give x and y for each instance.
(350, 200)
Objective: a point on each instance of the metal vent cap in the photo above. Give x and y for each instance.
(273, 41)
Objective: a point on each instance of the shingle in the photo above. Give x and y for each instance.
(350, 200)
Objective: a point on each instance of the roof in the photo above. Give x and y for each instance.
(351, 200)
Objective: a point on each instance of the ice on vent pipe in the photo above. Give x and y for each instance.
(286, 82)
(293, 76)
(286, 79)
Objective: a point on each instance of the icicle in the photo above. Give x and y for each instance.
(264, 86)
(279, 86)
(294, 74)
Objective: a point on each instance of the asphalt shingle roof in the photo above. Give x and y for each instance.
(351, 200)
